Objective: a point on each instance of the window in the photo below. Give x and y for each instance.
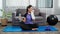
(17, 2)
(0, 8)
(22, 3)
(0, 4)
(45, 3)
(33, 2)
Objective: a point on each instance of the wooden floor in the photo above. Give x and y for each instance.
(49, 32)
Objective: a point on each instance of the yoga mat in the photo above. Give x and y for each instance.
(43, 28)
(12, 29)
(19, 29)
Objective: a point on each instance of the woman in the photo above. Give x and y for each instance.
(27, 23)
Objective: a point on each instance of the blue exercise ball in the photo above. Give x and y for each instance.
(52, 20)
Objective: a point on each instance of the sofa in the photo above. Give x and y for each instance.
(40, 17)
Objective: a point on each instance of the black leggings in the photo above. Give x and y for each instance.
(28, 26)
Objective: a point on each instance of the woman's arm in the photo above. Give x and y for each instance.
(32, 14)
(24, 19)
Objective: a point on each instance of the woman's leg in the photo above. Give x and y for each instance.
(34, 26)
(25, 26)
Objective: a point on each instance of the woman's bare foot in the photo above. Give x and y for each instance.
(34, 28)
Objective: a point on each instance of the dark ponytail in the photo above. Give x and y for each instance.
(28, 7)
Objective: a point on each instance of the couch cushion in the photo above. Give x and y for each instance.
(36, 11)
(22, 11)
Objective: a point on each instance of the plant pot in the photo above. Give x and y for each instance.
(4, 22)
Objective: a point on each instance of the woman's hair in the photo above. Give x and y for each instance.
(28, 7)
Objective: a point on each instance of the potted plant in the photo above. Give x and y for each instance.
(4, 18)
(9, 16)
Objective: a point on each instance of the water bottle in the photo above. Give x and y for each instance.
(20, 18)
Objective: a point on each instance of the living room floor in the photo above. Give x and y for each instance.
(49, 32)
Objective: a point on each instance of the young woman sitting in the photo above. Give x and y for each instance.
(27, 22)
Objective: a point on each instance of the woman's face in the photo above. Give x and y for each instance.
(30, 9)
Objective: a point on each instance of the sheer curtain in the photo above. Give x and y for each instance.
(17, 2)
(20, 3)
(33, 2)
(1, 8)
(58, 3)
(45, 3)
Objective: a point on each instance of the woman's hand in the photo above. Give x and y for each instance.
(24, 20)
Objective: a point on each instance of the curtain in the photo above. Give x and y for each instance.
(1, 8)
(17, 2)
